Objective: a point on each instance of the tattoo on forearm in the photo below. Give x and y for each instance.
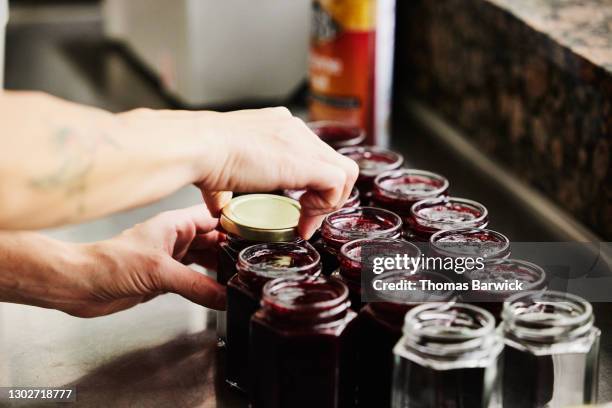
(76, 155)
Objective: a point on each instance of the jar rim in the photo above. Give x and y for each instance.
(410, 172)
(397, 158)
(484, 213)
(544, 330)
(359, 137)
(340, 301)
(435, 238)
(345, 249)
(266, 270)
(541, 273)
(397, 221)
(411, 328)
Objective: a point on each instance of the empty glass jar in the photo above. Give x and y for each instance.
(448, 356)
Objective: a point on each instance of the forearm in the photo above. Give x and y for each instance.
(36, 270)
(62, 162)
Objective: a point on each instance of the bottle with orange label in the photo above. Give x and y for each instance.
(351, 58)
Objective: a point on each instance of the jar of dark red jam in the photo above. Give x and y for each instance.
(435, 214)
(372, 161)
(249, 220)
(552, 351)
(338, 134)
(352, 201)
(380, 327)
(349, 224)
(496, 272)
(257, 265)
(398, 190)
(448, 356)
(302, 345)
(352, 264)
(470, 242)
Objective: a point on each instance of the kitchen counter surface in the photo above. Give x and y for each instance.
(164, 352)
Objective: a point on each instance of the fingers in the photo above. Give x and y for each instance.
(216, 200)
(192, 285)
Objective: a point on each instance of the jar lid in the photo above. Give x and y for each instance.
(261, 217)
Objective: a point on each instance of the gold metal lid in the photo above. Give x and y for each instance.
(261, 217)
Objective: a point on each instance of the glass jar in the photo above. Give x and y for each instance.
(372, 161)
(398, 190)
(302, 345)
(448, 356)
(352, 201)
(351, 263)
(470, 242)
(498, 271)
(249, 220)
(257, 265)
(552, 350)
(432, 215)
(338, 134)
(348, 224)
(380, 327)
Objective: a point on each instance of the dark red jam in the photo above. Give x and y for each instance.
(349, 224)
(380, 327)
(352, 201)
(302, 345)
(432, 215)
(398, 190)
(470, 242)
(499, 271)
(257, 265)
(338, 134)
(372, 161)
(352, 264)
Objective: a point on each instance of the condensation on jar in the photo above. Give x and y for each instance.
(552, 350)
(372, 161)
(497, 271)
(380, 327)
(349, 224)
(448, 356)
(432, 215)
(256, 266)
(338, 134)
(302, 345)
(399, 190)
(352, 264)
(249, 220)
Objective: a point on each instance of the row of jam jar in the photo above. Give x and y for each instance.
(296, 341)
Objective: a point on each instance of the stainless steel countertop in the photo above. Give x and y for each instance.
(163, 353)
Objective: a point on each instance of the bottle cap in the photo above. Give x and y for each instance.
(261, 217)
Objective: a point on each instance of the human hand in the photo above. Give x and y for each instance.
(267, 150)
(147, 260)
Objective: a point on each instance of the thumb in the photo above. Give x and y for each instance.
(192, 285)
(216, 200)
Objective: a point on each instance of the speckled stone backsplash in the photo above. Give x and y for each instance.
(530, 81)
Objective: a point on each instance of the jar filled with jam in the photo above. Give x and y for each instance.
(530, 276)
(435, 214)
(302, 345)
(470, 242)
(352, 201)
(448, 356)
(257, 265)
(338, 134)
(352, 263)
(552, 350)
(348, 224)
(248, 220)
(380, 327)
(399, 190)
(372, 161)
